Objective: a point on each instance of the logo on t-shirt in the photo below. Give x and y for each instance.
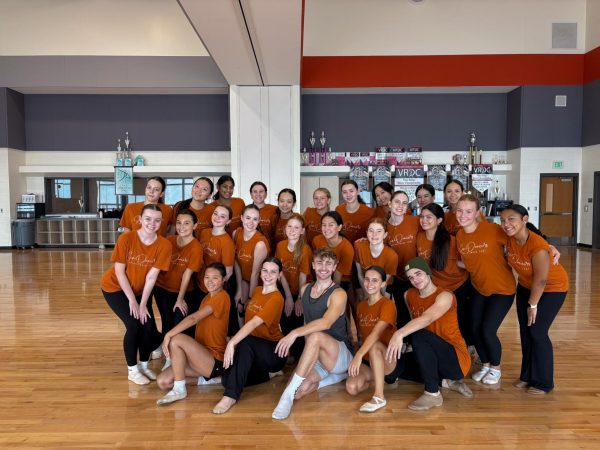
(518, 263)
(472, 248)
(140, 260)
(401, 239)
(177, 259)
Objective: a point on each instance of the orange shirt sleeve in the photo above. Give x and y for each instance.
(345, 254)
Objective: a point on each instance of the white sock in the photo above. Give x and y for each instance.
(284, 407)
(144, 364)
(433, 394)
(179, 386)
(332, 378)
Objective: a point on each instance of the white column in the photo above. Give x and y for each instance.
(12, 185)
(265, 138)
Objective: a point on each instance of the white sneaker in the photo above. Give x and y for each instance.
(148, 373)
(492, 377)
(478, 376)
(172, 396)
(137, 377)
(204, 382)
(157, 354)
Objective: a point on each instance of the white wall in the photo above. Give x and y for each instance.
(12, 186)
(590, 164)
(592, 32)
(438, 27)
(537, 160)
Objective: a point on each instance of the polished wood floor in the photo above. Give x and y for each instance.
(63, 382)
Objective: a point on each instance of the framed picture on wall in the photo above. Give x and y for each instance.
(124, 180)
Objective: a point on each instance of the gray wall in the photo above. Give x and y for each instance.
(591, 114)
(543, 124)
(12, 119)
(513, 119)
(154, 122)
(437, 122)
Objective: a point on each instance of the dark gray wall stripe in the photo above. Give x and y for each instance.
(12, 119)
(154, 122)
(591, 114)
(513, 119)
(437, 122)
(3, 119)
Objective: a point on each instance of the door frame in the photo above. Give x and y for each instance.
(575, 176)
(596, 212)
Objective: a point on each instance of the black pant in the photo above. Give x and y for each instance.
(291, 323)
(487, 314)
(253, 360)
(231, 287)
(436, 358)
(137, 336)
(464, 296)
(406, 368)
(165, 301)
(398, 288)
(537, 366)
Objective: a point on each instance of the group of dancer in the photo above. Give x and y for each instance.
(244, 289)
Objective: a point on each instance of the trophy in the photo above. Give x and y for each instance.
(128, 158)
(497, 190)
(323, 151)
(312, 140)
(119, 153)
(322, 139)
(472, 149)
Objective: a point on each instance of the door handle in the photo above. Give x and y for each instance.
(556, 214)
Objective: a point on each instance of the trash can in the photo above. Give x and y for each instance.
(23, 233)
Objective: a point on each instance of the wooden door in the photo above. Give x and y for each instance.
(557, 198)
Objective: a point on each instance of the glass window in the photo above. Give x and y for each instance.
(62, 188)
(107, 199)
(178, 189)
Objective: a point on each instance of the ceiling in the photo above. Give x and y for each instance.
(203, 46)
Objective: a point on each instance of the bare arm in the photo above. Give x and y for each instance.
(337, 277)
(151, 277)
(248, 328)
(298, 303)
(187, 322)
(361, 275)
(379, 328)
(260, 253)
(541, 266)
(289, 301)
(185, 281)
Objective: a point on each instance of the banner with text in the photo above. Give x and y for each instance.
(408, 178)
(481, 177)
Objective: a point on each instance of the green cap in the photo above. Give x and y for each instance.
(418, 263)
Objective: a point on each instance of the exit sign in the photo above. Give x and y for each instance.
(557, 164)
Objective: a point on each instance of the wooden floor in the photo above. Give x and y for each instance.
(63, 382)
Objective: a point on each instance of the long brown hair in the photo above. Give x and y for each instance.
(301, 240)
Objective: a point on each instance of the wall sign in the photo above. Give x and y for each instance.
(124, 180)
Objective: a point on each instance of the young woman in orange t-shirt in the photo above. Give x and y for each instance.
(402, 229)
(286, 200)
(258, 193)
(382, 193)
(541, 292)
(296, 258)
(331, 227)
(251, 249)
(354, 212)
(377, 324)
(481, 247)
(202, 189)
(155, 190)
(438, 346)
(424, 195)
(453, 191)
(438, 247)
(174, 290)
(250, 354)
(199, 360)
(138, 258)
(312, 216)
(224, 197)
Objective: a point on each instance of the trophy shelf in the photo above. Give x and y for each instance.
(101, 170)
(342, 170)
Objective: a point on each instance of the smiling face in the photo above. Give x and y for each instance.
(153, 191)
(452, 193)
(226, 190)
(466, 213)
(269, 274)
(349, 193)
(418, 278)
(512, 222)
(376, 233)
(220, 217)
(294, 229)
(372, 282)
(330, 228)
(213, 280)
(201, 190)
(424, 197)
(321, 200)
(151, 221)
(258, 194)
(250, 219)
(428, 220)
(382, 196)
(185, 225)
(399, 204)
(285, 202)
(324, 267)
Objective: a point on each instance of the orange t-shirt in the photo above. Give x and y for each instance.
(237, 207)
(187, 257)
(138, 259)
(403, 240)
(520, 257)
(445, 327)
(291, 270)
(381, 212)
(211, 331)
(356, 223)
(266, 216)
(452, 277)
(388, 259)
(203, 215)
(244, 251)
(278, 225)
(369, 315)
(482, 252)
(312, 220)
(216, 249)
(344, 252)
(131, 217)
(268, 307)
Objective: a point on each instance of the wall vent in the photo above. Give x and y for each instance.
(560, 101)
(564, 35)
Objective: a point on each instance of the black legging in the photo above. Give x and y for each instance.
(137, 336)
(537, 366)
(398, 288)
(464, 296)
(436, 358)
(253, 360)
(165, 301)
(291, 323)
(487, 314)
